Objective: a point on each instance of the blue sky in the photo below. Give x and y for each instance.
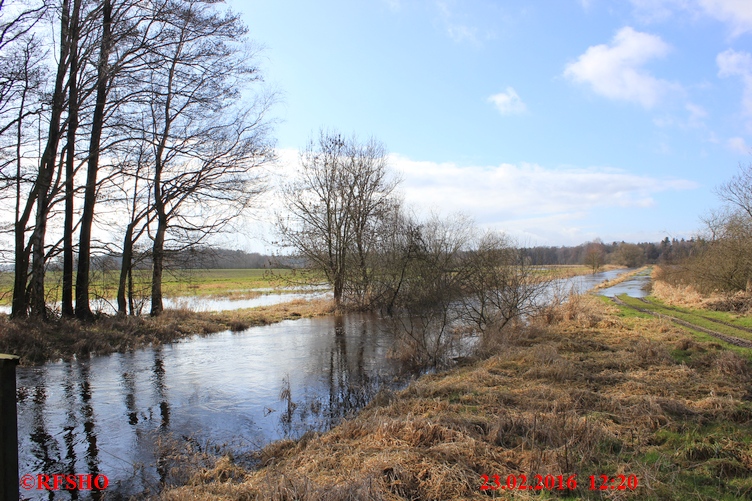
(557, 122)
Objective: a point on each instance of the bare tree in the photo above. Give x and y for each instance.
(45, 185)
(737, 192)
(721, 260)
(427, 308)
(128, 30)
(342, 191)
(500, 284)
(21, 87)
(595, 254)
(206, 142)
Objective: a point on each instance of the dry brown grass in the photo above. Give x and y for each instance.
(686, 296)
(679, 294)
(580, 392)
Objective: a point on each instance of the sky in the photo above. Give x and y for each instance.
(557, 122)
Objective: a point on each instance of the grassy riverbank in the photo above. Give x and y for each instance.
(588, 389)
(36, 342)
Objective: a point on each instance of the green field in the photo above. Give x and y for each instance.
(176, 283)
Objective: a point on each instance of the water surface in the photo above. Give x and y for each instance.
(108, 415)
(636, 286)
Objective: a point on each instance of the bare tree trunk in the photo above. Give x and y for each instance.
(83, 311)
(131, 304)
(20, 302)
(67, 305)
(46, 169)
(125, 268)
(158, 266)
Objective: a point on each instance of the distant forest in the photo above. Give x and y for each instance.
(666, 251)
(197, 258)
(619, 253)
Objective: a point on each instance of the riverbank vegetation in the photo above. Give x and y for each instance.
(585, 389)
(37, 342)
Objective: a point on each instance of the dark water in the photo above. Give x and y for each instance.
(126, 415)
(108, 415)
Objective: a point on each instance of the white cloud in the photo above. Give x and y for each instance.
(616, 70)
(493, 194)
(657, 10)
(460, 25)
(695, 118)
(738, 145)
(508, 102)
(736, 13)
(733, 63)
(696, 113)
(461, 33)
(533, 203)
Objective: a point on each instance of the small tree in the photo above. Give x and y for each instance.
(595, 255)
(629, 255)
(333, 209)
(500, 284)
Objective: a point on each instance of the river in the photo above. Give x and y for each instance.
(128, 416)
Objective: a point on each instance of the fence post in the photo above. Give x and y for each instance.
(8, 429)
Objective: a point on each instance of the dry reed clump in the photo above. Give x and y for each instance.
(678, 295)
(738, 302)
(730, 364)
(648, 353)
(584, 310)
(688, 296)
(689, 345)
(547, 364)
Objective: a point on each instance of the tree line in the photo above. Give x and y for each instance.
(667, 251)
(124, 126)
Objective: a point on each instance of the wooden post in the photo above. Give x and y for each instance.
(8, 429)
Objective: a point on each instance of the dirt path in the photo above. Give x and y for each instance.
(719, 335)
(709, 319)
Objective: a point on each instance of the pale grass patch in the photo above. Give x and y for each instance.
(686, 296)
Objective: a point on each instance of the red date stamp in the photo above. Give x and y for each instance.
(521, 482)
